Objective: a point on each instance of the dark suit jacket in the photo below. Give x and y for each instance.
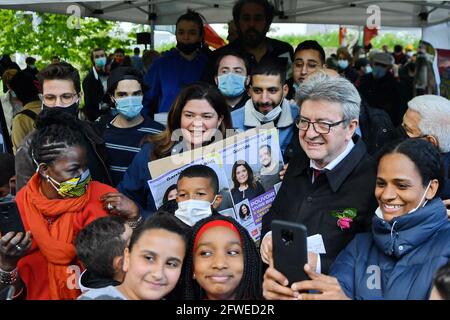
(93, 96)
(350, 184)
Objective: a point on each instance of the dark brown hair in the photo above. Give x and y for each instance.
(250, 178)
(163, 142)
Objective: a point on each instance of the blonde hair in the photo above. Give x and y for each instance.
(8, 75)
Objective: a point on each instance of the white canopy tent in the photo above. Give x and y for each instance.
(433, 16)
(394, 13)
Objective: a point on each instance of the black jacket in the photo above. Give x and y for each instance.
(376, 127)
(291, 92)
(384, 93)
(95, 149)
(350, 184)
(94, 96)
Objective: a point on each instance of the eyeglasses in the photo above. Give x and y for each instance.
(66, 99)
(309, 65)
(318, 126)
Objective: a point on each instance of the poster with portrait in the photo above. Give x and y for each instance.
(247, 166)
(161, 187)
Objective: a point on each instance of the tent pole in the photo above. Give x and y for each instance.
(151, 19)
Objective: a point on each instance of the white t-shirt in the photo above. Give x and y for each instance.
(107, 293)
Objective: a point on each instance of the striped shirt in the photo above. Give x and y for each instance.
(122, 144)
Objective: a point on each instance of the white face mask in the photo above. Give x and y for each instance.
(271, 116)
(420, 205)
(191, 211)
(379, 213)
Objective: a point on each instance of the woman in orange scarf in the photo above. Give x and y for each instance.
(58, 201)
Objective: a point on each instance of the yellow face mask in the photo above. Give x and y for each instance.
(72, 188)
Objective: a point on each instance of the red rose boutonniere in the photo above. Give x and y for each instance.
(345, 217)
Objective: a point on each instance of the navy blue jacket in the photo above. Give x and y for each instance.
(399, 258)
(134, 184)
(444, 193)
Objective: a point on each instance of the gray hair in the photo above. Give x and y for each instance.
(434, 121)
(321, 86)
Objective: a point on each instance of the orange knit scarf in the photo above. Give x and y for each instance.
(54, 241)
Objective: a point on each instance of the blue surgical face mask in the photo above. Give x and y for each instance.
(368, 69)
(100, 62)
(231, 84)
(343, 64)
(379, 72)
(130, 107)
(114, 112)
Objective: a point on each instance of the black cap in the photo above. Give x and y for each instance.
(122, 73)
(361, 62)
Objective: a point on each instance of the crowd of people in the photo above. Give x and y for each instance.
(361, 132)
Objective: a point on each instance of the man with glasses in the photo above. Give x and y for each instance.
(61, 90)
(335, 174)
(428, 117)
(309, 57)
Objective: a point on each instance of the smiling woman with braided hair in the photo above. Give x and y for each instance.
(57, 202)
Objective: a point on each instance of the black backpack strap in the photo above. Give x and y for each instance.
(28, 113)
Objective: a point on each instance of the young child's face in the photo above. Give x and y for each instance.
(197, 188)
(153, 266)
(219, 263)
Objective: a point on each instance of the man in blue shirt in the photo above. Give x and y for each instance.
(178, 67)
(136, 60)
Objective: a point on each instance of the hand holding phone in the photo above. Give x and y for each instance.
(10, 218)
(290, 249)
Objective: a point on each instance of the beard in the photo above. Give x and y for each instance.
(260, 105)
(253, 38)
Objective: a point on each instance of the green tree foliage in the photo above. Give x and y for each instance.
(331, 40)
(54, 37)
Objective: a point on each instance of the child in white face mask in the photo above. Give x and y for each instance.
(198, 188)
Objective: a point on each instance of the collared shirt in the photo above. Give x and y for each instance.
(336, 161)
(349, 184)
